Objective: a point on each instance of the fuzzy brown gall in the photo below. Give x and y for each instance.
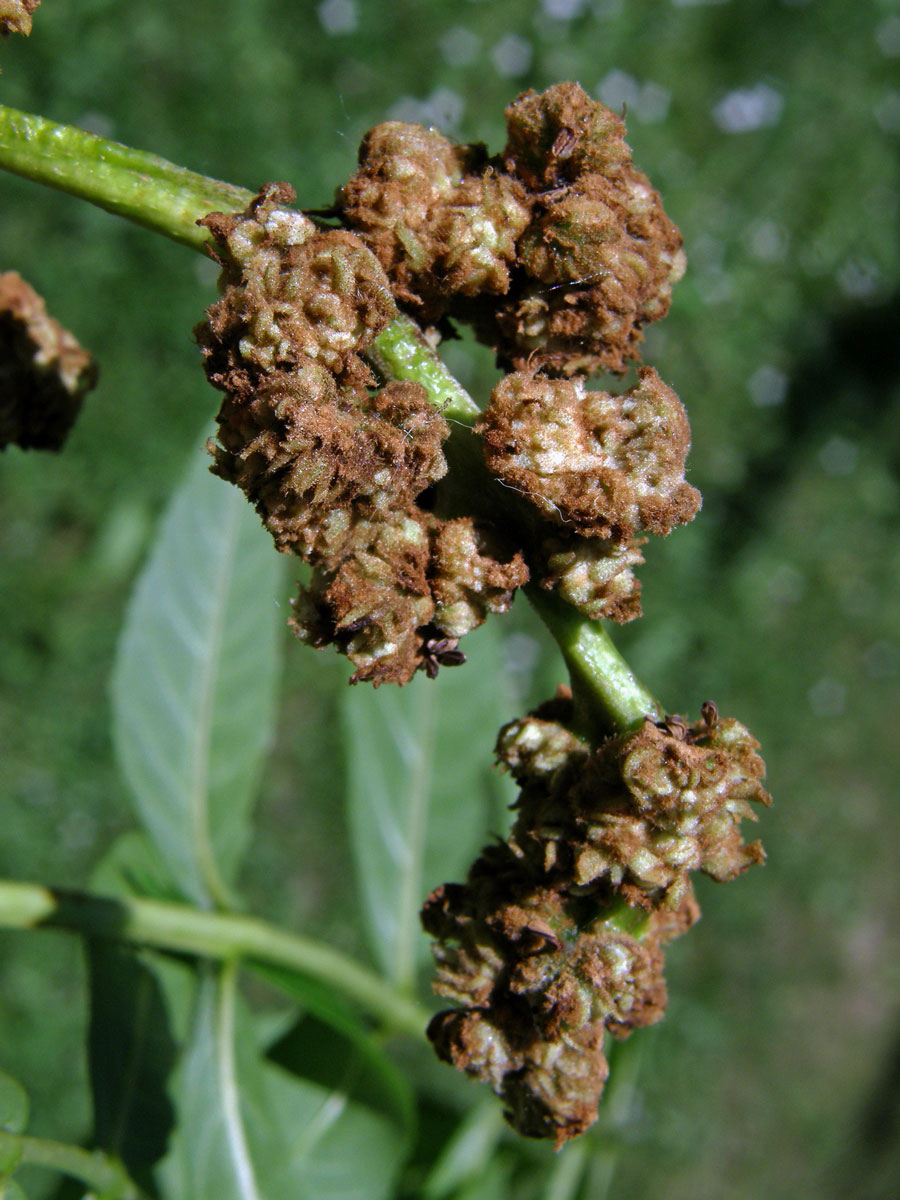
(439, 217)
(334, 463)
(603, 465)
(539, 977)
(558, 250)
(600, 255)
(470, 578)
(44, 372)
(643, 810)
(557, 935)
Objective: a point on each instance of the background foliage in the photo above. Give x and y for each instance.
(771, 128)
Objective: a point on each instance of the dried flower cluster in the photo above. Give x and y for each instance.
(557, 935)
(44, 373)
(333, 462)
(558, 250)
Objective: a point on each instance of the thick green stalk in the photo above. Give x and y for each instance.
(105, 1177)
(605, 689)
(177, 927)
(401, 352)
(132, 183)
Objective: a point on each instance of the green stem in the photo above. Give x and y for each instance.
(401, 352)
(607, 693)
(177, 927)
(105, 1177)
(132, 183)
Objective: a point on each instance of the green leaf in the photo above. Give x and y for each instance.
(494, 1183)
(315, 997)
(131, 1053)
(10, 1190)
(248, 1129)
(132, 866)
(468, 1152)
(137, 999)
(195, 679)
(422, 796)
(13, 1104)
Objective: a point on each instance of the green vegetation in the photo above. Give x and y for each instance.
(772, 132)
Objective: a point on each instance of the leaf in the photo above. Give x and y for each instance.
(351, 1062)
(13, 1104)
(11, 1190)
(422, 797)
(468, 1151)
(131, 1054)
(137, 999)
(250, 1130)
(132, 867)
(194, 683)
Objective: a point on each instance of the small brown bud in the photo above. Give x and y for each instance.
(44, 372)
(15, 16)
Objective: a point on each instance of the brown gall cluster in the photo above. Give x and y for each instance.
(333, 462)
(557, 935)
(44, 372)
(15, 16)
(557, 250)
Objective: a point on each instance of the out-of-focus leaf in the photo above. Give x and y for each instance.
(468, 1152)
(495, 1183)
(131, 1054)
(422, 796)
(195, 681)
(315, 997)
(140, 1007)
(353, 1064)
(13, 1104)
(11, 1190)
(132, 866)
(250, 1130)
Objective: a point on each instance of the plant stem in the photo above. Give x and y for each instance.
(401, 352)
(132, 183)
(177, 927)
(105, 1177)
(605, 689)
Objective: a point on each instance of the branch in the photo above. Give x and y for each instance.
(186, 930)
(103, 1175)
(131, 183)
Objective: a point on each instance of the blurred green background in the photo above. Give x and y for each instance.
(772, 129)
